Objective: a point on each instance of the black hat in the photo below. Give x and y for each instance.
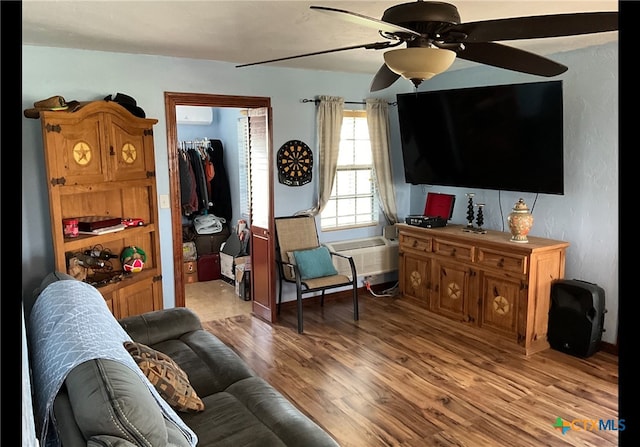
(128, 103)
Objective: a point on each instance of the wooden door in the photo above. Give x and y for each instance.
(138, 298)
(451, 290)
(262, 244)
(131, 151)
(500, 298)
(415, 278)
(75, 154)
(262, 249)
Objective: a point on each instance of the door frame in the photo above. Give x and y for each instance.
(171, 100)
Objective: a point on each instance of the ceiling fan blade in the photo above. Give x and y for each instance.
(502, 56)
(370, 22)
(554, 25)
(367, 46)
(383, 79)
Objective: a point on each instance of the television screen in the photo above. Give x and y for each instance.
(503, 137)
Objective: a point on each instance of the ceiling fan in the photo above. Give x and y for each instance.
(434, 36)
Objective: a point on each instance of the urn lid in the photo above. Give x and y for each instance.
(520, 207)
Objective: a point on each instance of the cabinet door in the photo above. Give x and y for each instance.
(500, 299)
(73, 150)
(130, 150)
(416, 278)
(451, 290)
(138, 298)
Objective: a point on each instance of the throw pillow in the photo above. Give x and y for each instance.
(314, 263)
(166, 376)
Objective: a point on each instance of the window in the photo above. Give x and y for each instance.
(353, 201)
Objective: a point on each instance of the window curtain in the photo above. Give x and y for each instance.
(378, 123)
(329, 127)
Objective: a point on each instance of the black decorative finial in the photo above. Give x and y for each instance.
(470, 210)
(480, 218)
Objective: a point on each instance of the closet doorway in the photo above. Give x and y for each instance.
(261, 197)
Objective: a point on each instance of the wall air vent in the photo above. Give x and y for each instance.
(194, 115)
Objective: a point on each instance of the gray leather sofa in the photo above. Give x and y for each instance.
(241, 409)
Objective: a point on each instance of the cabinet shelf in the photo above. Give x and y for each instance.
(130, 279)
(84, 240)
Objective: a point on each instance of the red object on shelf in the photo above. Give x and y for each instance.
(439, 205)
(70, 227)
(132, 221)
(91, 223)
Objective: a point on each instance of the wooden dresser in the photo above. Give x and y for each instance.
(483, 280)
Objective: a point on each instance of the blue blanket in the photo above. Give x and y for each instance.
(70, 324)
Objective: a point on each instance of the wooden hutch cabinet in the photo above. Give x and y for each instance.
(483, 280)
(100, 162)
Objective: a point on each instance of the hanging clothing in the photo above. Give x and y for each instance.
(209, 172)
(201, 180)
(188, 192)
(220, 190)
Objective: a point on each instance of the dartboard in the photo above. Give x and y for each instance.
(295, 163)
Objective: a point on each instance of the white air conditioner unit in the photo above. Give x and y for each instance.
(194, 115)
(371, 255)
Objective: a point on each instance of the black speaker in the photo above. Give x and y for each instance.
(576, 317)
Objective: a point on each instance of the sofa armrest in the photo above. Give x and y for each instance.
(157, 326)
(66, 426)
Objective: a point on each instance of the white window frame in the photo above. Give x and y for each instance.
(330, 217)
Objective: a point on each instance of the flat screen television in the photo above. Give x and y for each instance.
(502, 137)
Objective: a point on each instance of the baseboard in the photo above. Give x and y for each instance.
(339, 295)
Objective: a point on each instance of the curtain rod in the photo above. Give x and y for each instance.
(316, 101)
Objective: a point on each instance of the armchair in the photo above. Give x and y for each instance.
(302, 260)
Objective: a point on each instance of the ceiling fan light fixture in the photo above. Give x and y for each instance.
(418, 64)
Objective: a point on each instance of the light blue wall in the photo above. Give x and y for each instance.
(586, 216)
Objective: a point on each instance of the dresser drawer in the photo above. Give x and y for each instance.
(408, 242)
(453, 249)
(501, 260)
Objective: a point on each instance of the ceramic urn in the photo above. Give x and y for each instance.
(520, 222)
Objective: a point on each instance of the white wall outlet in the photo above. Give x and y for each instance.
(371, 279)
(164, 201)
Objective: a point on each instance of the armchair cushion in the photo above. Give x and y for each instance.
(314, 263)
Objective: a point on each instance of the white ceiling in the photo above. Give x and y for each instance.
(249, 31)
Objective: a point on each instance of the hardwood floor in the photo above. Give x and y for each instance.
(401, 376)
(213, 300)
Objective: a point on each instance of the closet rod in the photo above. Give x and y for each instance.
(197, 141)
(203, 142)
(316, 101)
